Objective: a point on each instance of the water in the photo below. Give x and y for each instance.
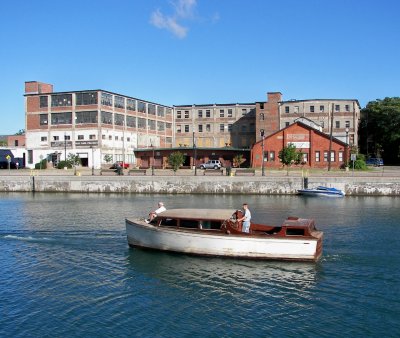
(66, 270)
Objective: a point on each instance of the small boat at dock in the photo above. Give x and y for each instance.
(322, 191)
(217, 232)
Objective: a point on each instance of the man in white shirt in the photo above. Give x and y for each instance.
(154, 213)
(246, 218)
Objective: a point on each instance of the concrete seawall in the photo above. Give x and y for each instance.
(285, 185)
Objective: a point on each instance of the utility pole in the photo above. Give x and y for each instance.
(330, 139)
(262, 152)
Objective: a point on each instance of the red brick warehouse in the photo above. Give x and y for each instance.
(312, 143)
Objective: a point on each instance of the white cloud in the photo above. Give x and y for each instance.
(183, 10)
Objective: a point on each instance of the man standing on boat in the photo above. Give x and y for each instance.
(246, 218)
(154, 213)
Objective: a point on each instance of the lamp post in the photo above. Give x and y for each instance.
(91, 147)
(262, 153)
(347, 136)
(65, 146)
(152, 164)
(195, 156)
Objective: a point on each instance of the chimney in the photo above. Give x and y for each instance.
(274, 97)
(35, 87)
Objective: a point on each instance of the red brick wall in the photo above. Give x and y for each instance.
(12, 138)
(38, 87)
(298, 133)
(32, 104)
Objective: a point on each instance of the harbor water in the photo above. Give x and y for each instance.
(66, 271)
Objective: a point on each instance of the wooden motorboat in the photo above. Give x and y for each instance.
(217, 232)
(322, 191)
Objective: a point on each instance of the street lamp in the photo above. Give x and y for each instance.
(262, 152)
(195, 156)
(65, 146)
(347, 136)
(91, 147)
(152, 165)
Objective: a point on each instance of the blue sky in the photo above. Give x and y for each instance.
(199, 51)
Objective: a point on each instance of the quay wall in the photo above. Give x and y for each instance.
(282, 185)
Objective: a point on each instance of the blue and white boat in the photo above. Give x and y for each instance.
(322, 191)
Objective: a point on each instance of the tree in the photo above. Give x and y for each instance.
(380, 129)
(108, 158)
(238, 160)
(289, 155)
(175, 160)
(20, 132)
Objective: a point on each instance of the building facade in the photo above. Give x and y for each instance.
(215, 125)
(94, 124)
(341, 116)
(314, 145)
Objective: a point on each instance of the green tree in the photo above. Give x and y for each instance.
(175, 160)
(108, 158)
(289, 155)
(20, 132)
(238, 160)
(380, 129)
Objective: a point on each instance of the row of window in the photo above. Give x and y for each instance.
(312, 109)
(81, 137)
(270, 156)
(207, 113)
(207, 128)
(89, 98)
(337, 124)
(106, 118)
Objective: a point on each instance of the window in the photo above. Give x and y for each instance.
(200, 113)
(106, 99)
(178, 114)
(30, 156)
(116, 137)
(244, 129)
(151, 109)
(151, 124)
(325, 156)
(61, 118)
(44, 119)
(61, 100)
(261, 105)
(322, 124)
(208, 113)
(106, 117)
(230, 112)
(141, 107)
(221, 128)
(92, 137)
(321, 109)
(160, 125)
(262, 117)
(296, 109)
(347, 123)
(80, 137)
(208, 127)
(83, 99)
(287, 124)
(43, 139)
(160, 111)
(186, 128)
(347, 107)
(131, 121)
(178, 128)
(119, 119)
(221, 113)
(305, 157)
(168, 125)
(110, 137)
(230, 127)
(128, 139)
(244, 111)
(119, 102)
(337, 107)
(103, 137)
(186, 114)
(272, 155)
(86, 117)
(44, 101)
(56, 138)
(131, 104)
(340, 154)
(337, 124)
(311, 109)
(287, 109)
(67, 137)
(332, 156)
(200, 128)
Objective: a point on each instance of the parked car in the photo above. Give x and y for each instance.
(375, 161)
(121, 164)
(211, 164)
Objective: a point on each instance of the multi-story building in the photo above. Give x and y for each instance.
(215, 125)
(91, 124)
(341, 116)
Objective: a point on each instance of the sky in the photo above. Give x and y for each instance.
(176, 52)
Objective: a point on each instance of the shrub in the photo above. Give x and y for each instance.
(41, 165)
(63, 164)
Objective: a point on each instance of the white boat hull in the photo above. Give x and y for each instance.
(220, 244)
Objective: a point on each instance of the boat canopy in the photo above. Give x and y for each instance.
(200, 214)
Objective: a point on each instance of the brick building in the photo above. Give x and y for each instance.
(312, 143)
(91, 124)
